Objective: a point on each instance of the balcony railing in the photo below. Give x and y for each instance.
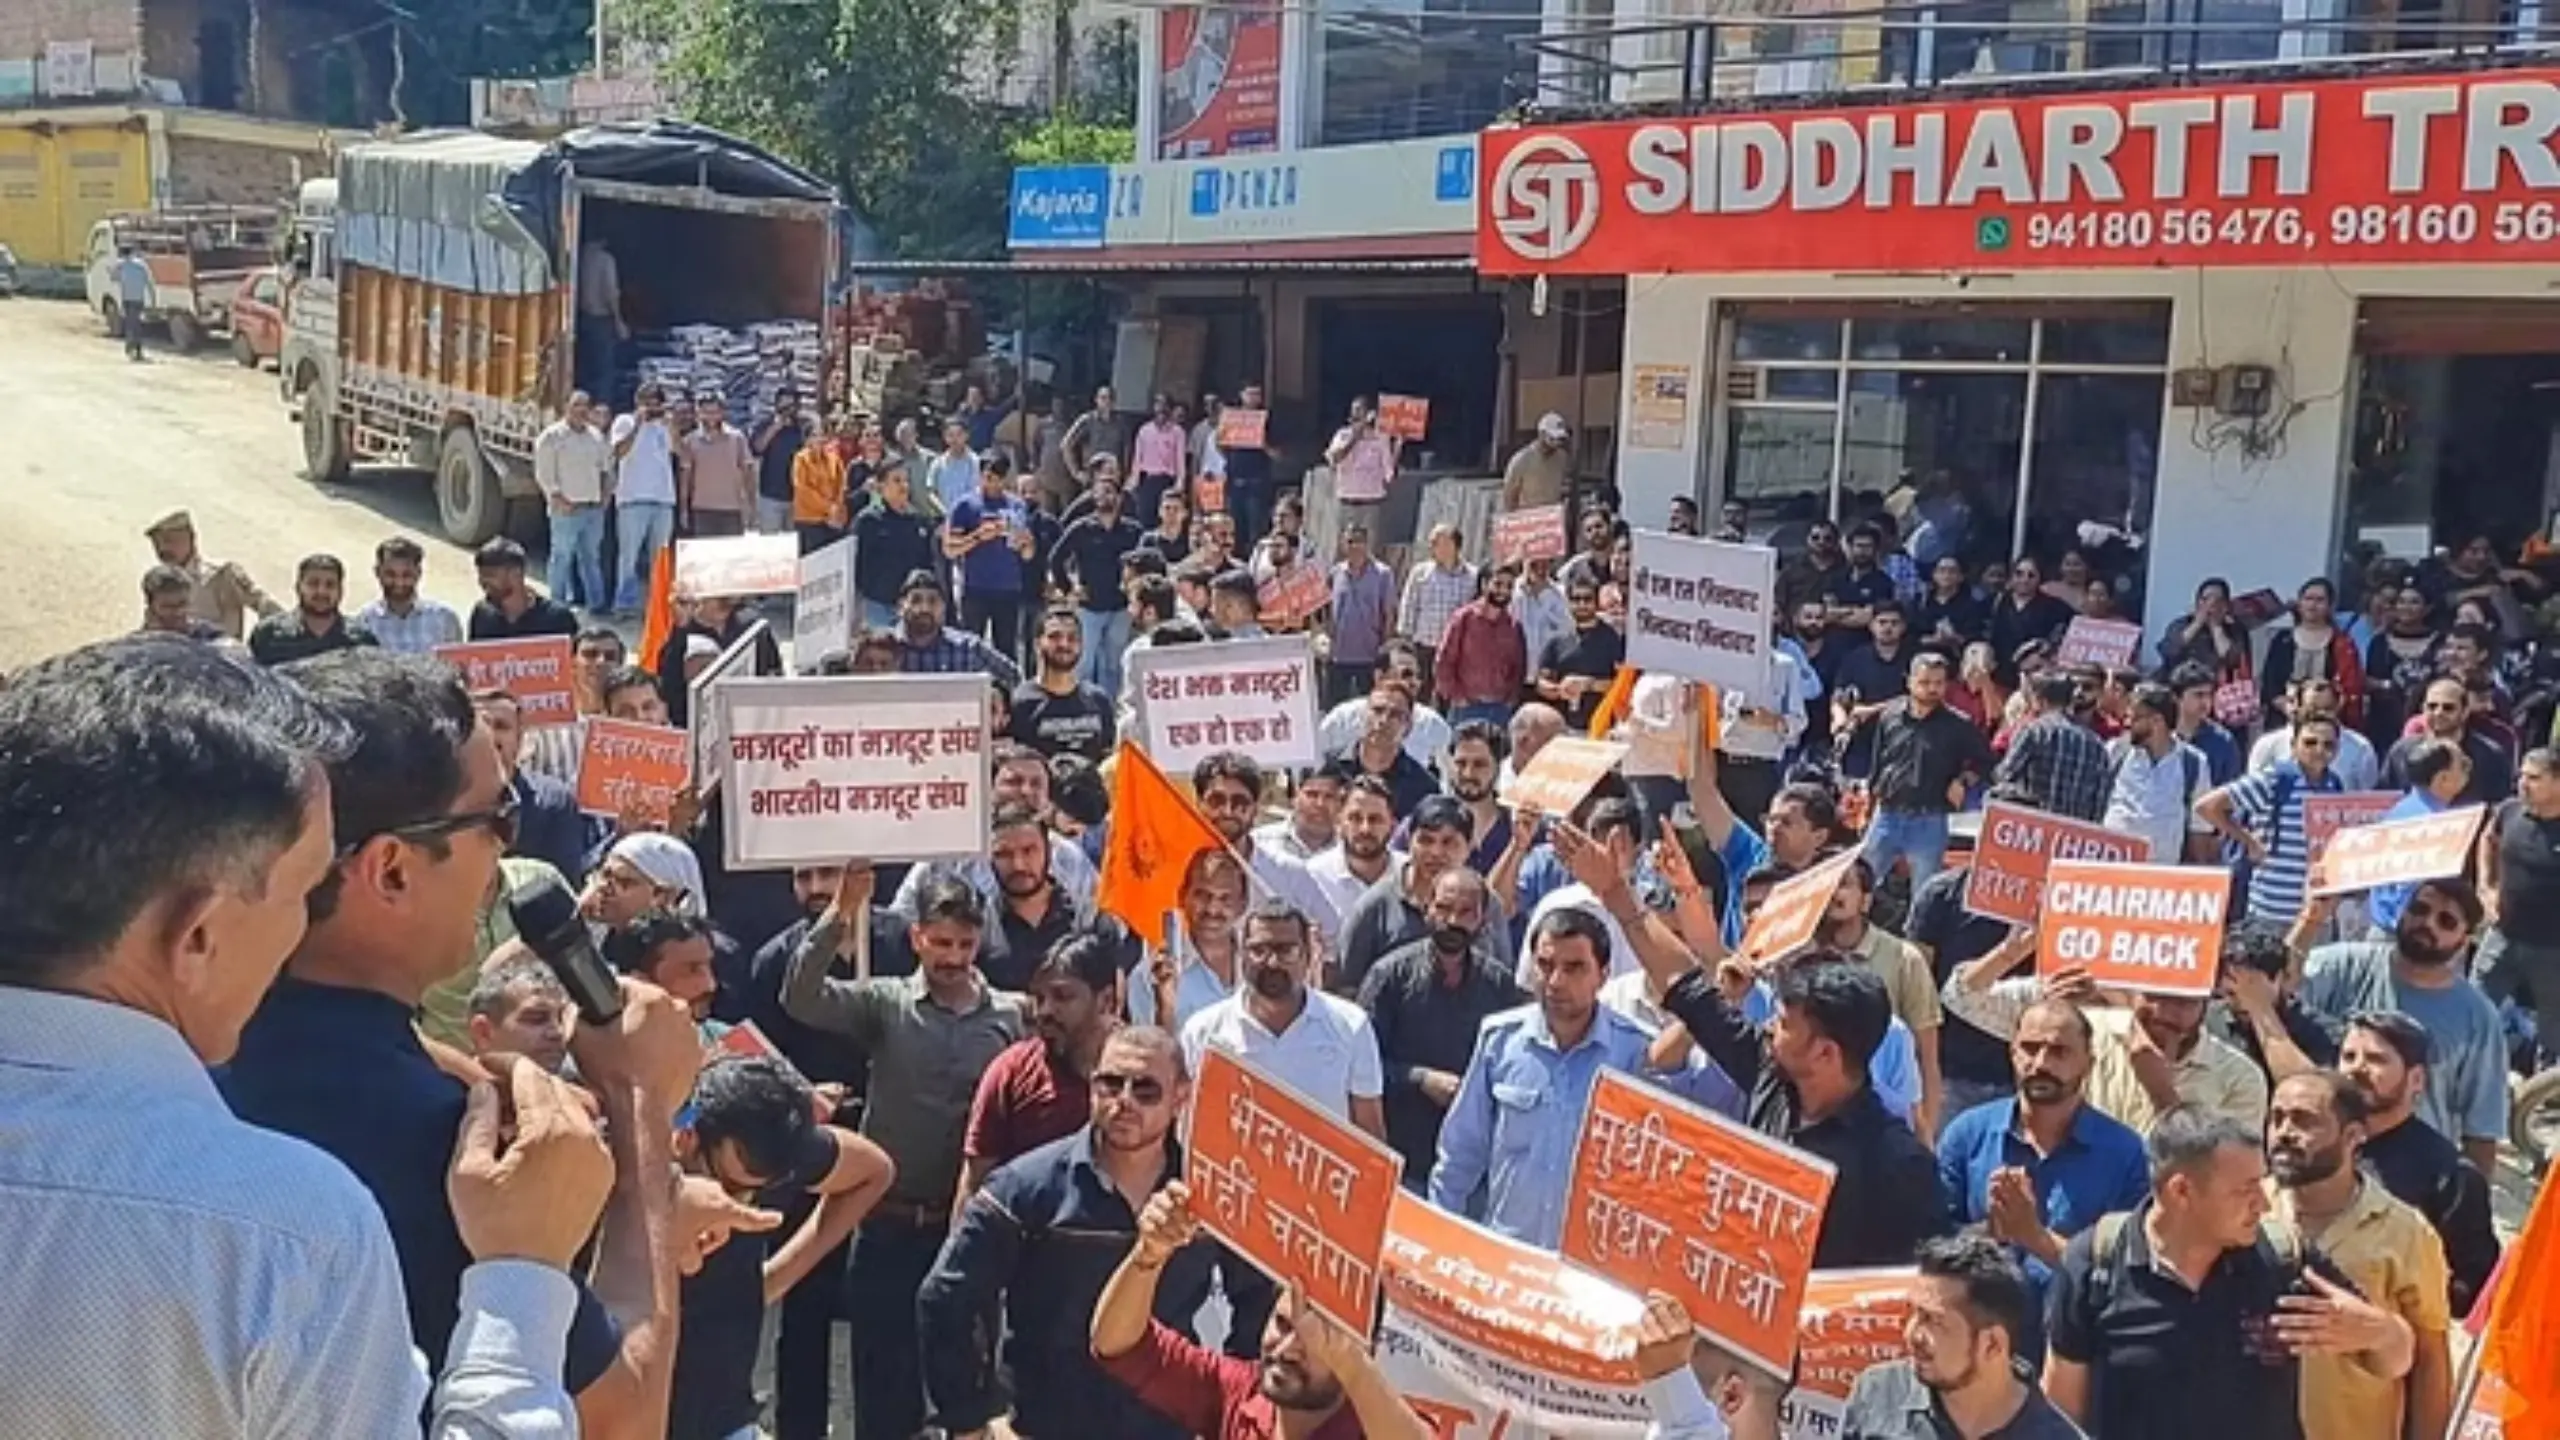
(1671, 61)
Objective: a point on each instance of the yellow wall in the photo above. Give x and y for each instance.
(53, 187)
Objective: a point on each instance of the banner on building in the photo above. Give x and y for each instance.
(1658, 406)
(1289, 1186)
(1257, 697)
(1219, 90)
(536, 670)
(2018, 845)
(2150, 928)
(1699, 609)
(821, 770)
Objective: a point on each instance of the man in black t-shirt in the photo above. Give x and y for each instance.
(1973, 1062)
(1059, 714)
(752, 1128)
(2385, 1057)
(1086, 562)
(1575, 669)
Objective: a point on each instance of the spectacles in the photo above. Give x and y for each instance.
(1145, 1089)
(499, 820)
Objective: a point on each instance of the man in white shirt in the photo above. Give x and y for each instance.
(644, 493)
(176, 816)
(1538, 603)
(1338, 734)
(1282, 1026)
(401, 619)
(1361, 854)
(573, 468)
(1230, 786)
(2358, 767)
(2158, 778)
(953, 475)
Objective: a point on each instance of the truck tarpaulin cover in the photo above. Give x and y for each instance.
(663, 152)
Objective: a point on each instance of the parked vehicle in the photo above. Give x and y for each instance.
(429, 315)
(198, 257)
(257, 319)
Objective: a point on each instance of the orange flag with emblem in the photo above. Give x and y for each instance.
(1155, 835)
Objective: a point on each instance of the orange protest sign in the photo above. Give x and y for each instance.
(1209, 494)
(1563, 772)
(536, 671)
(1536, 533)
(2397, 852)
(1287, 599)
(1406, 417)
(626, 768)
(1156, 832)
(2323, 816)
(2103, 643)
(2017, 845)
(1242, 429)
(1852, 1319)
(1288, 1186)
(1535, 1321)
(1669, 1196)
(1787, 920)
(2153, 928)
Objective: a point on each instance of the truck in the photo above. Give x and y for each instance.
(430, 301)
(198, 256)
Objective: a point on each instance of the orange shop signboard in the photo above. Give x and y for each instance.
(2410, 168)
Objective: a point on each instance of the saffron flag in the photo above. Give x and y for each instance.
(1613, 702)
(1155, 835)
(659, 619)
(2519, 1352)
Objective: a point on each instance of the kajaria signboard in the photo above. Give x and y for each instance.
(2388, 169)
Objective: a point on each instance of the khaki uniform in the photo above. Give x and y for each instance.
(224, 595)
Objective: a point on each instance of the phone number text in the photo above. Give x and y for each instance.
(2293, 227)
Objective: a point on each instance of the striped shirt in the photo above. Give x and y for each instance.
(2268, 804)
(1431, 596)
(957, 652)
(428, 624)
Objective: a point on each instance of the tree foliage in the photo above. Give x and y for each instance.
(878, 96)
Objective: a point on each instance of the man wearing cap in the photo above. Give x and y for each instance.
(1540, 472)
(224, 593)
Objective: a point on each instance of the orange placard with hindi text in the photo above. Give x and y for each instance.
(1209, 494)
(1286, 600)
(1288, 1186)
(1536, 533)
(1787, 920)
(1666, 1195)
(535, 670)
(2151, 928)
(2017, 846)
(1564, 771)
(627, 768)
(2397, 852)
(1406, 417)
(2323, 816)
(1242, 429)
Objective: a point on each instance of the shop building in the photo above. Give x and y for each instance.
(2220, 325)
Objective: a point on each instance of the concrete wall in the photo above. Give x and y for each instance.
(209, 171)
(114, 26)
(2259, 522)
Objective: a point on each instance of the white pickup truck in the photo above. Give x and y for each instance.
(198, 257)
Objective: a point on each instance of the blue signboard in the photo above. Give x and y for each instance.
(1059, 207)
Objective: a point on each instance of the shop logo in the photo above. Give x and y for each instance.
(1545, 198)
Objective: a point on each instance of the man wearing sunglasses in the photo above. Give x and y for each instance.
(1045, 1232)
(2261, 815)
(2418, 972)
(423, 812)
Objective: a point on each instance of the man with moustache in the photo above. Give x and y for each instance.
(1470, 769)
(1361, 853)
(1574, 669)
(1320, 1043)
(2315, 1127)
(1230, 786)
(1965, 1379)
(1036, 1091)
(518, 1007)
(1032, 912)
(223, 594)
(1313, 1380)
(1845, 930)
(2418, 972)
(1314, 821)
(315, 626)
(2385, 1054)
(1549, 1054)
(1045, 1233)
(401, 620)
(1394, 910)
(1427, 1001)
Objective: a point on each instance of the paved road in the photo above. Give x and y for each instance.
(102, 447)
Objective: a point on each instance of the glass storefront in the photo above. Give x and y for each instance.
(1987, 431)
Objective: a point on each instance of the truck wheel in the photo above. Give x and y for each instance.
(324, 440)
(242, 352)
(468, 498)
(184, 332)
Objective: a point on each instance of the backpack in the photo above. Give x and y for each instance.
(2278, 1244)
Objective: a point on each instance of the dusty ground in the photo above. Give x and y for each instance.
(103, 447)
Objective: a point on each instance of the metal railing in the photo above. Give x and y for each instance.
(1687, 63)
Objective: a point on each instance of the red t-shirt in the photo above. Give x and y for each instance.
(1214, 1396)
(1024, 1101)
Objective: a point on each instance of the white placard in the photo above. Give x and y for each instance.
(702, 718)
(821, 769)
(1255, 697)
(737, 565)
(1700, 609)
(822, 617)
(70, 68)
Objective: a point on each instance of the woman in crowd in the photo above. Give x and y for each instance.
(2210, 635)
(2399, 662)
(1950, 615)
(2313, 648)
(2024, 613)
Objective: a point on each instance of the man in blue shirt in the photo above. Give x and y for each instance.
(990, 536)
(2042, 1166)
(2438, 772)
(2197, 727)
(1519, 1109)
